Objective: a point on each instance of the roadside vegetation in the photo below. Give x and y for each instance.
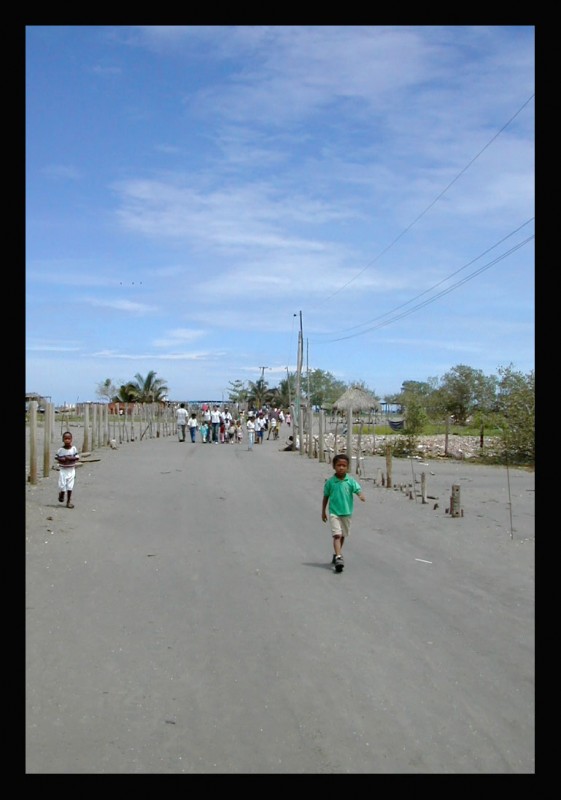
(464, 401)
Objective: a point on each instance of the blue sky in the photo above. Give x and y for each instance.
(193, 192)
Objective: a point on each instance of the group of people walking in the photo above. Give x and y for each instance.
(218, 426)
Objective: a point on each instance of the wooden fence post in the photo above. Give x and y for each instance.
(93, 429)
(455, 509)
(321, 447)
(350, 435)
(86, 439)
(389, 466)
(33, 442)
(359, 446)
(106, 428)
(49, 412)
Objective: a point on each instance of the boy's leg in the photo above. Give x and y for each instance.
(338, 557)
(338, 539)
(68, 496)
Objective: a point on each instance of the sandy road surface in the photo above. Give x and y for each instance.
(184, 618)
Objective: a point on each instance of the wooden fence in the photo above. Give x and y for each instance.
(93, 427)
(98, 428)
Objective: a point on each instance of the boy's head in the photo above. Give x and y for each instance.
(67, 439)
(341, 463)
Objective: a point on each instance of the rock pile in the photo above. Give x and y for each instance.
(460, 447)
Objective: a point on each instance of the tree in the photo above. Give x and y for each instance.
(258, 393)
(415, 419)
(415, 400)
(516, 405)
(127, 393)
(420, 389)
(106, 390)
(286, 391)
(149, 389)
(463, 392)
(238, 392)
(275, 397)
(324, 388)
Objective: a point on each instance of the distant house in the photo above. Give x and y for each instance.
(391, 408)
(40, 400)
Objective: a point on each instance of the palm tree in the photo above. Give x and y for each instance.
(127, 394)
(285, 391)
(149, 389)
(258, 393)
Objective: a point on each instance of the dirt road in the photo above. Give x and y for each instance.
(184, 618)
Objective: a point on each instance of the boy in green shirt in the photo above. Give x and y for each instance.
(339, 491)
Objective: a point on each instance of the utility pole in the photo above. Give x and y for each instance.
(307, 372)
(299, 421)
(262, 383)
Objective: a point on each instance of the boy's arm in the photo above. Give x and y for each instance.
(323, 508)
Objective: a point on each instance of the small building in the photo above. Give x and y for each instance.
(39, 398)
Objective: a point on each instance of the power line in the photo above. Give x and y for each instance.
(444, 280)
(436, 199)
(440, 294)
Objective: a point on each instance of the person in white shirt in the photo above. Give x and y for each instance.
(259, 428)
(181, 417)
(193, 426)
(273, 428)
(215, 423)
(67, 457)
(250, 427)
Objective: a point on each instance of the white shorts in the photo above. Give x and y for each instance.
(66, 478)
(340, 526)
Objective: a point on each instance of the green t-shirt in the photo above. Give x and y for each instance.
(341, 494)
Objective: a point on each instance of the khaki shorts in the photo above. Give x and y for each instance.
(340, 526)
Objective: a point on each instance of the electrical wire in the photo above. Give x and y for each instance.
(440, 294)
(436, 285)
(436, 199)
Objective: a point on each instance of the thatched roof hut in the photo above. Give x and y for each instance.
(354, 399)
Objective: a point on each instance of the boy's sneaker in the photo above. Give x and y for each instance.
(333, 559)
(339, 564)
